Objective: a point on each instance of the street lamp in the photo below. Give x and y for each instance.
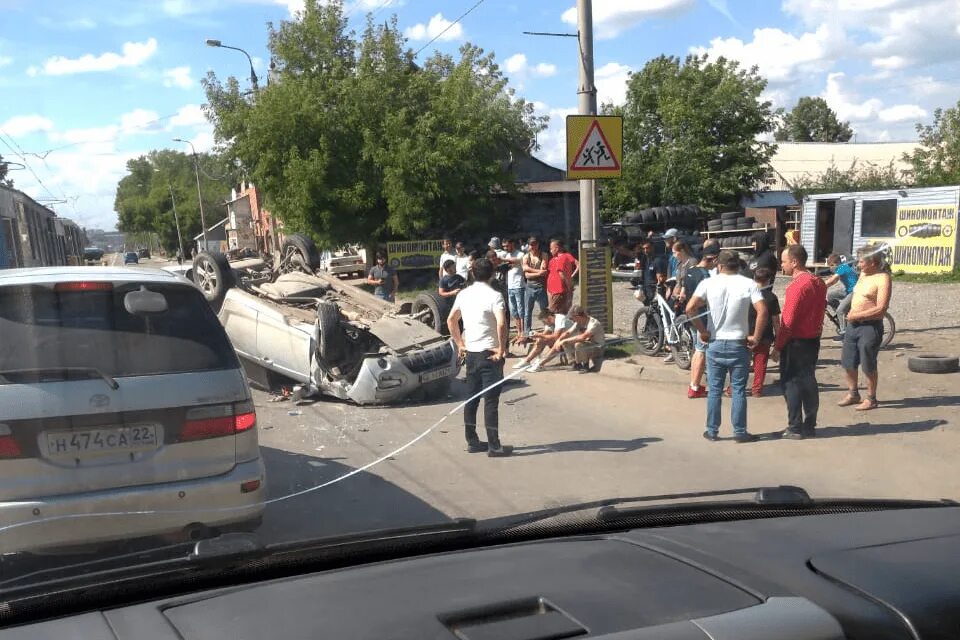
(196, 168)
(253, 76)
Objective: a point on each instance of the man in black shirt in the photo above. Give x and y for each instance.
(762, 258)
(698, 362)
(654, 273)
(761, 353)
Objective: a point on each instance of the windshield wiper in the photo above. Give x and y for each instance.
(64, 370)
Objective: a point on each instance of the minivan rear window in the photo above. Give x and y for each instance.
(45, 329)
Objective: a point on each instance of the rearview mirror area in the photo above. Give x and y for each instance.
(144, 302)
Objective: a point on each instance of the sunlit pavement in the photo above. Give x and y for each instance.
(589, 437)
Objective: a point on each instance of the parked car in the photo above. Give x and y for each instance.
(119, 392)
(342, 261)
(131, 257)
(328, 337)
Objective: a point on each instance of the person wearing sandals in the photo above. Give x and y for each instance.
(864, 334)
(801, 324)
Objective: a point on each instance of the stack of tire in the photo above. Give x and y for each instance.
(679, 216)
(734, 221)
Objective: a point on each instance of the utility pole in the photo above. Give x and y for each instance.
(587, 105)
(196, 168)
(176, 220)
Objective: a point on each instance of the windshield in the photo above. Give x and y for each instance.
(306, 269)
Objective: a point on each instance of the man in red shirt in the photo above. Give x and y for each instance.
(798, 340)
(561, 271)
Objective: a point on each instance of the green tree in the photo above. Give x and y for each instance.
(936, 161)
(812, 120)
(691, 132)
(856, 177)
(4, 168)
(353, 141)
(144, 204)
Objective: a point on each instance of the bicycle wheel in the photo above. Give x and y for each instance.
(889, 330)
(648, 331)
(683, 350)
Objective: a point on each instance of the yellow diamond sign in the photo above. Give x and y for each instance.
(594, 147)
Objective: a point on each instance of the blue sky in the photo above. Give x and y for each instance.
(89, 85)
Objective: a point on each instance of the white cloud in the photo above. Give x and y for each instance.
(203, 141)
(434, 28)
(845, 104)
(890, 63)
(25, 125)
(780, 56)
(544, 69)
(553, 140)
(902, 113)
(613, 17)
(611, 81)
(133, 54)
(515, 63)
(189, 115)
(5, 60)
(178, 7)
(140, 120)
(177, 77)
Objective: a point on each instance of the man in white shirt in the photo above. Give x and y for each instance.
(556, 326)
(728, 297)
(462, 258)
(513, 256)
(483, 343)
(448, 254)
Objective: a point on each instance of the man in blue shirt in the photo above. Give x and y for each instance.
(840, 299)
(654, 273)
(669, 238)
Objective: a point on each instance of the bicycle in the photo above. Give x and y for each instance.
(889, 326)
(657, 324)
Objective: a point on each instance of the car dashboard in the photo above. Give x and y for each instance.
(882, 574)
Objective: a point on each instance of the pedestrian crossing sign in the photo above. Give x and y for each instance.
(594, 147)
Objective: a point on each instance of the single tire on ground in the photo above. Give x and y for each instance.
(299, 253)
(435, 309)
(648, 331)
(889, 330)
(331, 337)
(933, 364)
(214, 276)
(730, 215)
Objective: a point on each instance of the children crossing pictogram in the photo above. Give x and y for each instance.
(594, 146)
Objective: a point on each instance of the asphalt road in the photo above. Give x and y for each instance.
(582, 438)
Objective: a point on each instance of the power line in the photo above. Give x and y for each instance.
(448, 27)
(25, 163)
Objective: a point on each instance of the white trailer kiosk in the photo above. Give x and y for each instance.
(920, 224)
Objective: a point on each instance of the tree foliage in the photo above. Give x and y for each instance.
(353, 141)
(856, 177)
(144, 203)
(936, 162)
(812, 120)
(691, 132)
(4, 170)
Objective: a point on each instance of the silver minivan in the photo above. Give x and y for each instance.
(124, 412)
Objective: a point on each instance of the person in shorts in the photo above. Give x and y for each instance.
(864, 334)
(840, 299)
(562, 270)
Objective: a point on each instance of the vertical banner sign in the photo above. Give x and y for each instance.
(926, 239)
(594, 147)
(596, 290)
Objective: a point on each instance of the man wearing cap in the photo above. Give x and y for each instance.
(670, 238)
(495, 244)
(698, 362)
(728, 297)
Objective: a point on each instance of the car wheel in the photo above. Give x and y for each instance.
(434, 309)
(213, 276)
(331, 338)
(933, 364)
(299, 253)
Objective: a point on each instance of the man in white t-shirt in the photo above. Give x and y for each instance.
(448, 254)
(462, 258)
(556, 325)
(728, 297)
(587, 344)
(483, 342)
(513, 256)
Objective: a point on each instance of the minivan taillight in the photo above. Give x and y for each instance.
(83, 286)
(217, 421)
(8, 446)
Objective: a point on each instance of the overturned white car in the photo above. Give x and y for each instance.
(326, 336)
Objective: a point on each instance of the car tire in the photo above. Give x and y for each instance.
(714, 225)
(331, 338)
(435, 310)
(299, 253)
(213, 276)
(730, 215)
(933, 364)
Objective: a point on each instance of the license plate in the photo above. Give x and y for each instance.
(141, 437)
(436, 375)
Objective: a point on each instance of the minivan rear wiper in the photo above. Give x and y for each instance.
(65, 370)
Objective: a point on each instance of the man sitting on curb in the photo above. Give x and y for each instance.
(587, 344)
(556, 325)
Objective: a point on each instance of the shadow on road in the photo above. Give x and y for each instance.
(361, 502)
(921, 402)
(868, 429)
(613, 446)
